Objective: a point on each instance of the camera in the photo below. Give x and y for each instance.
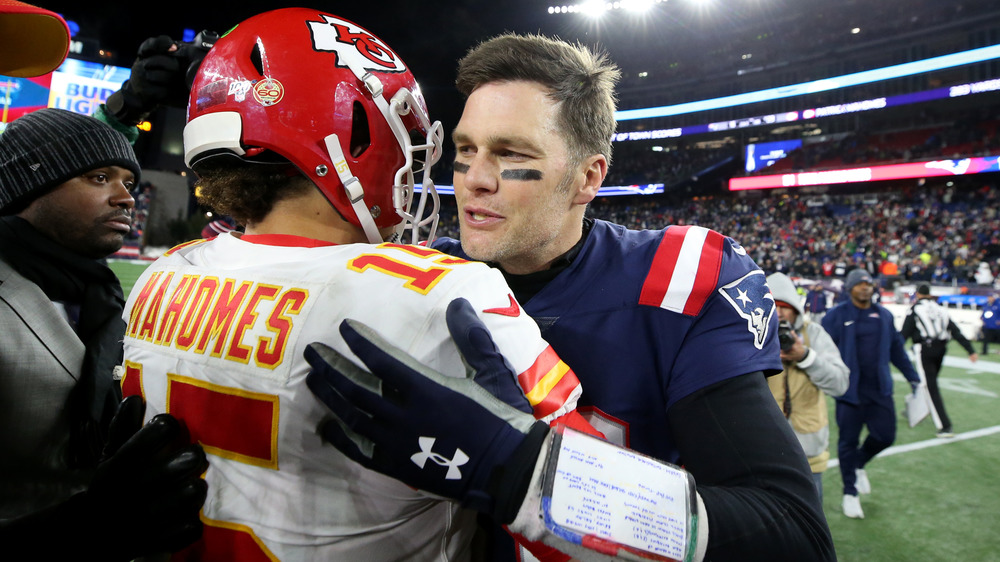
(785, 337)
(194, 52)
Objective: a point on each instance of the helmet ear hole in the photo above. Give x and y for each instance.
(256, 59)
(361, 137)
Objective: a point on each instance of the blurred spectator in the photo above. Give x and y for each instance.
(219, 225)
(812, 369)
(991, 322)
(816, 302)
(868, 341)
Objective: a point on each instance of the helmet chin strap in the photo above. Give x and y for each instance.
(355, 191)
(353, 187)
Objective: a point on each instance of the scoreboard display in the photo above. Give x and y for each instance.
(77, 86)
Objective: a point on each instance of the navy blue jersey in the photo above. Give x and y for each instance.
(645, 318)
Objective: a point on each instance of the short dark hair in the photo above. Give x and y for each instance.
(581, 79)
(246, 192)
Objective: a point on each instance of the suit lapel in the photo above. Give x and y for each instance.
(42, 318)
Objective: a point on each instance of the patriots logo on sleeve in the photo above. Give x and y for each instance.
(751, 298)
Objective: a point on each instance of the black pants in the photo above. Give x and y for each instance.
(931, 357)
(990, 335)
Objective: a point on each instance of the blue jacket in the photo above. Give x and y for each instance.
(816, 301)
(991, 315)
(840, 323)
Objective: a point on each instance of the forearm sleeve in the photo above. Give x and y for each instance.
(751, 474)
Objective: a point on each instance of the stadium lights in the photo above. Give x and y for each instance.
(844, 81)
(595, 8)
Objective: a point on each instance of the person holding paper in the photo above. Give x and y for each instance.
(929, 325)
(583, 496)
(671, 331)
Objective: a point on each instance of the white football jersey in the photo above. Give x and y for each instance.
(216, 332)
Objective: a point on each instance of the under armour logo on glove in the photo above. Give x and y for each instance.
(377, 417)
(426, 448)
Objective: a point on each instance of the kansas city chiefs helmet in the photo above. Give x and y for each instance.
(333, 99)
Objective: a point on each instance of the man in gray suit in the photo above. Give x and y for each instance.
(65, 205)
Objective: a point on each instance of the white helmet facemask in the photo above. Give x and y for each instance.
(403, 103)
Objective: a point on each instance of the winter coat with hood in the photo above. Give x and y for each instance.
(803, 384)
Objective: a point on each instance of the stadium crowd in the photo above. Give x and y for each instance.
(936, 234)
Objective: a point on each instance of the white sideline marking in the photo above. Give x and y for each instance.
(968, 386)
(896, 449)
(977, 367)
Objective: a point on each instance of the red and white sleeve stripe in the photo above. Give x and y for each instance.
(685, 269)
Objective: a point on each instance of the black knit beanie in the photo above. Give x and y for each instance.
(47, 147)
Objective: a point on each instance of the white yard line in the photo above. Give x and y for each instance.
(930, 443)
(977, 367)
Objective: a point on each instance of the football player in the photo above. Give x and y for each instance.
(312, 133)
(671, 331)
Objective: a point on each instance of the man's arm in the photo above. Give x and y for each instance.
(909, 326)
(378, 418)
(897, 353)
(823, 364)
(760, 499)
(144, 498)
(957, 335)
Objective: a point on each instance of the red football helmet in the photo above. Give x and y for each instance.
(330, 97)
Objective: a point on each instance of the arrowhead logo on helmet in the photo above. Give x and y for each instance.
(325, 95)
(354, 46)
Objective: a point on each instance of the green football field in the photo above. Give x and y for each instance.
(932, 499)
(128, 271)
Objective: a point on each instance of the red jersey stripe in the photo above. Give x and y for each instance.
(708, 273)
(685, 270)
(248, 430)
(557, 395)
(654, 288)
(548, 383)
(546, 360)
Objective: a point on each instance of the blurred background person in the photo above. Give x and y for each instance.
(929, 325)
(816, 302)
(217, 226)
(991, 322)
(868, 341)
(812, 369)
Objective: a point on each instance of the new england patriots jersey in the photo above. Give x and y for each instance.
(216, 332)
(646, 318)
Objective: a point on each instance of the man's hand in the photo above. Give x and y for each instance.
(149, 483)
(483, 361)
(797, 352)
(144, 497)
(441, 434)
(158, 78)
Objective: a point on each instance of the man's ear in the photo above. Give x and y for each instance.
(594, 169)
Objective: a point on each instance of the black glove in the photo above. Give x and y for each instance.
(158, 78)
(441, 434)
(483, 361)
(144, 497)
